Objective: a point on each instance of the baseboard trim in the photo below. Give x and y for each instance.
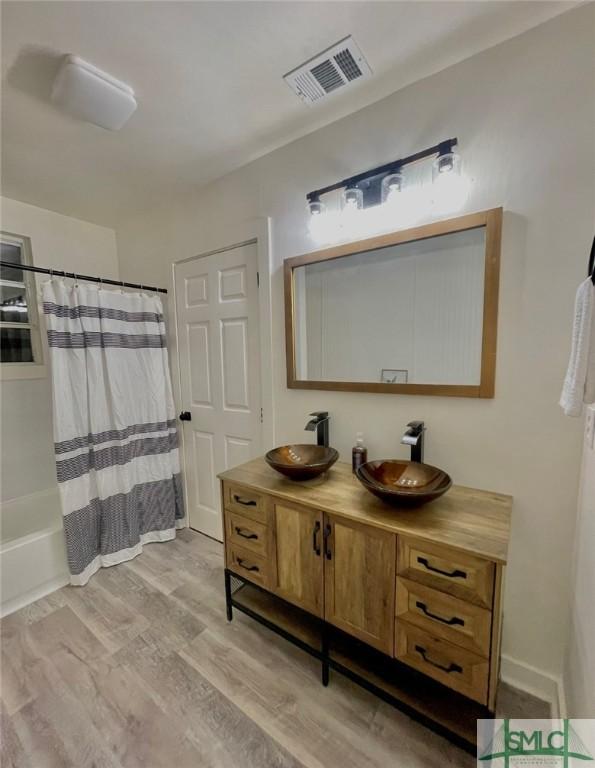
(10, 606)
(536, 682)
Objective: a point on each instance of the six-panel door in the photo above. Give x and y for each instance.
(218, 350)
(298, 576)
(359, 580)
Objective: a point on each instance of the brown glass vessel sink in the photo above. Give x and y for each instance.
(403, 482)
(302, 462)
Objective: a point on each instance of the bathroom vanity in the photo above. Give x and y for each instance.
(406, 602)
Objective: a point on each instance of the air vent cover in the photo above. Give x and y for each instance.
(333, 69)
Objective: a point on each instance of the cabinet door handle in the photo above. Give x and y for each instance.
(245, 502)
(451, 622)
(456, 574)
(247, 567)
(245, 534)
(452, 667)
(315, 542)
(326, 536)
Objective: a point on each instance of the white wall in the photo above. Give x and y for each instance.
(26, 406)
(579, 678)
(523, 112)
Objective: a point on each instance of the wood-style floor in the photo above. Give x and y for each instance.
(141, 669)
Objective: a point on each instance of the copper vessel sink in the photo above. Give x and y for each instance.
(403, 482)
(302, 462)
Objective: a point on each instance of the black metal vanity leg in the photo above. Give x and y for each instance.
(325, 657)
(228, 607)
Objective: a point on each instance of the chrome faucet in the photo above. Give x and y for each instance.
(320, 424)
(414, 436)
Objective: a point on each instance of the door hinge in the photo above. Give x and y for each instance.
(261, 416)
(258, 279)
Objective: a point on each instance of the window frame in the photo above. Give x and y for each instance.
(36, 368)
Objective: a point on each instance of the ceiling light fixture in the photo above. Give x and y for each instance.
(89, 94)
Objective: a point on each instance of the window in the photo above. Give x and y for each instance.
(20, 342)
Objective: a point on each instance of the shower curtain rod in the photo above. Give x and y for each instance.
(76, 276)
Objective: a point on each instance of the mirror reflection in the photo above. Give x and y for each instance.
(410, 313)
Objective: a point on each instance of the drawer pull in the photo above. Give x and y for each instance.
(247, 567)
(244, 533)
(451, 622)
(452, 667)
(245, 502)
(456, 574)
(315, 542)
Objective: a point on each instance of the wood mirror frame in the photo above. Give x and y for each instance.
(492, 221)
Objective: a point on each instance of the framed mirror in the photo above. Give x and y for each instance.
(412, 312)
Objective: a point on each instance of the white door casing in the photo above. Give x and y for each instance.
(217, 309)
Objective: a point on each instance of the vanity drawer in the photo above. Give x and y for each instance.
(245, 501)
(455, 667)
(448, 570)
(247, 533)
(249, 565)
(444, 616)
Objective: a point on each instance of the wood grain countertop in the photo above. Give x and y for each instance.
(465, 518)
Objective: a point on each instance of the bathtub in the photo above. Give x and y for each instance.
(32, 549)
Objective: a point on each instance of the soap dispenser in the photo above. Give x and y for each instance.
(359, 454)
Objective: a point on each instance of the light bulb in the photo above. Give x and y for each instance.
(352, 198)
(315, 207)
(446, 164)
(391, 186)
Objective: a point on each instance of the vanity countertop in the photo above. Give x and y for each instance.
(465, 518)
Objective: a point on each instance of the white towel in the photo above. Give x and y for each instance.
(579, 384)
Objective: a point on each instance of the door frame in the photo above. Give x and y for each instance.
(254, 232)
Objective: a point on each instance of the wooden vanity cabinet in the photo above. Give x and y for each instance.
(421, 586)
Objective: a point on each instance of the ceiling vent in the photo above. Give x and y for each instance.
(332, 70)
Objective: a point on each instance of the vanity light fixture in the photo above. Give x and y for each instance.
(379, 184)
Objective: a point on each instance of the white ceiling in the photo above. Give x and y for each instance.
(208, 80)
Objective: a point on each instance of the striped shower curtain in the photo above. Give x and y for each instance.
(115, 435)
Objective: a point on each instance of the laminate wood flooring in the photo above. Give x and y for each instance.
(140, 669)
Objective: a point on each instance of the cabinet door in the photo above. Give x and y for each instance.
(359, 578)
(298, 552)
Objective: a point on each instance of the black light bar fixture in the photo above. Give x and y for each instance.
(374, 186)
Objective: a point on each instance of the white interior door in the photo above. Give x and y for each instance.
(219, 353)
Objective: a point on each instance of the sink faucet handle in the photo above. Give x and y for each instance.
(320, 415)
(417, 426)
